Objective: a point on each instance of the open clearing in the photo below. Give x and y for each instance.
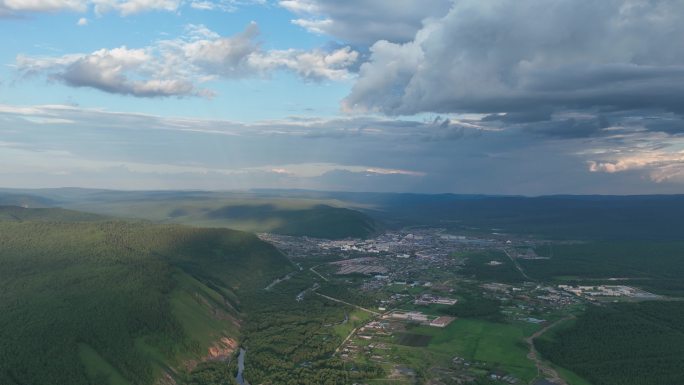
(411, 339)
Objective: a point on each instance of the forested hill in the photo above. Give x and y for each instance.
(107, 302)
(16, 213)
(320, 218)
(591, 217)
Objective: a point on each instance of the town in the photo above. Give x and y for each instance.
(414, 287)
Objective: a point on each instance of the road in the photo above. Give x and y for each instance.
(317, 273)
(544, 369)
(345, 340)
(352, 305)
(517, 266)
(349, 304)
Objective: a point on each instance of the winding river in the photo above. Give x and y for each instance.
(241, 368)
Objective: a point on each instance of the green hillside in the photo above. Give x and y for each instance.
(320, 221)
(298, 217)
(119, 303)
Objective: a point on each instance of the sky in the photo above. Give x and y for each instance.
(528, 97)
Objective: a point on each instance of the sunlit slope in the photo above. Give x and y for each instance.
(120, 303)
(303, 217)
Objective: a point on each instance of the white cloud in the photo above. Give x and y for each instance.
(43, 5)
(661, 165)
(223, 5)
(82, 22)
(318, 26)
(216, 55)
(130, 7)
(313, 170)
(203, 5)
(178, 67)
(119, 70)
(316, 64)
(122, 7)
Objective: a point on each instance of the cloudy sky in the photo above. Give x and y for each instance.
(466, 96)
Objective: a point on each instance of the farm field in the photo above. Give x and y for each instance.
(495, 343)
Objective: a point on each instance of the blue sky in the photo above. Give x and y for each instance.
(239, 99)
(528, 97)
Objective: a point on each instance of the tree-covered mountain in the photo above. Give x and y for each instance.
(120, 303)
(246, 211)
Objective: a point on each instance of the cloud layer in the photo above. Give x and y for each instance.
(466, 155)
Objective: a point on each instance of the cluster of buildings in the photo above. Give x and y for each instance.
(606, 291)
(424, 319)
(530, 295)
(427, 299)
(364, 265)
(504, 377)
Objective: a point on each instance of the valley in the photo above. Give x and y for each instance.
(131, 300)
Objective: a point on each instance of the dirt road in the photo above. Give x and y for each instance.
(545, 370)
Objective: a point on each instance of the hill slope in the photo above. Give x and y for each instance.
(19, 214)
(246, 211)
(119, 303)
(241, 212)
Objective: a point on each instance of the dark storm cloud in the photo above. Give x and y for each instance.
(568, 128)
(529, 57)
(364, 21)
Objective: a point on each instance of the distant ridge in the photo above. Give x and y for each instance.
(52, 214)
(331, 214)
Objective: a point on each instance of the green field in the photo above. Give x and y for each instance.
(477, 265)
(500, 346)
(356, 318)
(413, 339)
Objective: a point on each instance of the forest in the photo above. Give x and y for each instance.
(79, 300)
(626, 343)
(654, 266)
(292, 342)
